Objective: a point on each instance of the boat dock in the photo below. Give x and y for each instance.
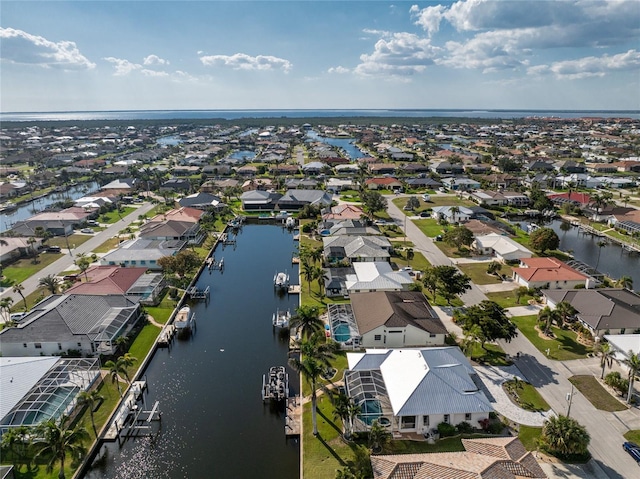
(212, 265)
(128, 406)
(195, 293)
(166, 335)
(227, 240)
(293, 417)
(294, 289)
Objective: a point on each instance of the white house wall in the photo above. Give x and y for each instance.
(404, 337)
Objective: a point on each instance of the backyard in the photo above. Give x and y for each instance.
(478, 272)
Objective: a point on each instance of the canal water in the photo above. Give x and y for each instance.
(214, 423)
(614, 262)
(347, 144)
(31, 208)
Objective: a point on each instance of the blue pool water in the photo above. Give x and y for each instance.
(370, 411)
(341, 333)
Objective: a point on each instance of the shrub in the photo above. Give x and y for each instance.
(464, 428)
(495, 427)
(173, 293)
(617, 382)
(446, 429)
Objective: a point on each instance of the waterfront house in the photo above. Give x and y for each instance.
(356, 248)
(445, 213)
(253, 200)
(483, 458)
(603, 310)
(343, 212)
(503, 248)
(412, 390)
(297, 199)
(376, 276)
(349, 228)
(201, 201)
(549, 273)
(63, 323)
(127, 184)
(142, 252)
(178, 224)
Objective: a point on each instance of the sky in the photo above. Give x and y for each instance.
(469, 54)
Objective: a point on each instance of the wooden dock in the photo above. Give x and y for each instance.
(195, 293)
(293, 418)
(127, 406)
(294, 289)
(166, 335)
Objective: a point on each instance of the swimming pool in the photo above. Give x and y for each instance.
(370, 410)
(341, 333)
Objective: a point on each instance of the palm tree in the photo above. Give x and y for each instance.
(633, 363)
(564, 435)
(607, 355)
(311, 369)
(5, 305)
(90, 399)
(600, 245)
(410, 255)
(83, 262)
(565, 311)
(379, 437)
(115, 369)
(520, 292)
(346, 410)
(548, 317)
(126, 361)
(454, 211)
(307, 273)
(18, 288)
(56, 440)
(50, 282)
(321, 276)
(307, 320)
(315, 254)
(16, 440)
(626, 282)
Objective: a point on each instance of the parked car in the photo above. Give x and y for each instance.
(17, 316)
(92, 223)
(87, 230)
(71, 277)
(633, 449)
(53, 249)
(426, 197)
(425, 214)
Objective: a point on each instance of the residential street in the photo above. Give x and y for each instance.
(549, 377)
(65, 262)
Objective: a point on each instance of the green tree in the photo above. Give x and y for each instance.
(5, 306)
(451, 282)
(83, 262)
(565, 311)
(306, 320)
(410, 255)
(458, 236)
(547, 317)
(600, 245)
(182, 264)
(520, 292)
(430, 281)
(50, 282)
(544, 239)
(379, 437)
(373, 202)
(90, 399)
(454, 212)
(564, 436)
(626, 282)
(494, 267)
(16, 440)
(55, 440)
(633, 363)
(312, 370)
(607, 355)
(413, 203)
(18, 288)
(487, 322)
(346, 410)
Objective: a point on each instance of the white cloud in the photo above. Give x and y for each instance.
(22, 47)
(123, 67)
(402, 54)
(428, 18)
(339, 70)
(154, 60)
(242, 61)
(153, 73)
(590, 66)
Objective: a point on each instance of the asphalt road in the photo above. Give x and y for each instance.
(549, 377)
(65, 262)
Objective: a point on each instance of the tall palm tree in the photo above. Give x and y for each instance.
(547, 316)
(410, 255)
(607, 354)
(90, 399)
(16, 440)
(307, 272)
(56, 439)
(454, 211)
(564, 435)
(311, 369)
(115, 369)
(83, 262)
(50, 282)
(307, 320)
(626, 282)
(5, 305)
(379, 437)
(18, 288)
(320, 276)
(342, 408)
(633, 363)
(315, 254)
(126, 361)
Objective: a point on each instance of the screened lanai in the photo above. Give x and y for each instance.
(48, 395)
(344, 329)
(367, 390)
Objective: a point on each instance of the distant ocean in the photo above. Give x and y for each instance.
(238, 114)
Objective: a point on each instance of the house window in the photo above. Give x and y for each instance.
(38, 345)
(622, 331)
(377, 337)
(432, 335)
(467, 416)
(395, 332)
(143, 262)
(24, 345)
(79, 345)
(59, 346)
(447, 419)
(408, 422)
(133, 262)
(425, 421)
(153, 261)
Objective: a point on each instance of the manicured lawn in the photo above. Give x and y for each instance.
(111, 243)
(418, 263)
(429, 227)
(113, 216)
(529, 398)
(162, 312)
(596, 394)
(73, 241)
(450, 200)
(24, 268)
(493, 355)
(633, 436)
(142, 345)
(563, 347)
(508, 299)
(478, 273)
(452, 251)
(529, 436)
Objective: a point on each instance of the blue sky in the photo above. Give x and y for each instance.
(479, 54)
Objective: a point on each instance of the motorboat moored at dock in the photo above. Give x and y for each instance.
(281, 318)
(184, 319)
(275, 385)
(281, 280)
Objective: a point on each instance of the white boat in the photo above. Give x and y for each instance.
(184, 318)
(281, 319)
(275, 385)
(281, 280)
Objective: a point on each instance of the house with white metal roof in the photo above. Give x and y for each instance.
(414, 390)
(502, 247)
(376, 276)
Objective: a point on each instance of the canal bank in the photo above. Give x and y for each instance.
(214, 422)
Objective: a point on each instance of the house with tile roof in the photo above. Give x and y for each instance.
(412, 390)
(485, 458)
(394, 319)
(356, 248)
(603, 310)
(549, 273)
(383, 183)
(62, 323)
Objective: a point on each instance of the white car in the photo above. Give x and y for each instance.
(17, 316)
(87, 230)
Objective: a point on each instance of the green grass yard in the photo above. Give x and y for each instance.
(508, 299)
(478, 273)
(563, 347)
(597, 395)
